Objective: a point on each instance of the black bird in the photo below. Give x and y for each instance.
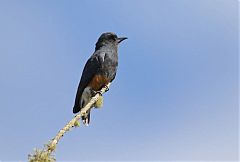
(99, 70)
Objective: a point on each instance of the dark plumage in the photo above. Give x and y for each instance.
(99, 70)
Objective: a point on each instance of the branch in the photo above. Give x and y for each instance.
(72, 123)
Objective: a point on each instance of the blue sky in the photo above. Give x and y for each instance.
(175, 96)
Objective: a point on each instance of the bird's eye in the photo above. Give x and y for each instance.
(113, 37)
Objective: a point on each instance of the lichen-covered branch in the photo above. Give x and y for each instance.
(51, 146)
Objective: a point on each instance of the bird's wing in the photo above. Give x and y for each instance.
(91, 68)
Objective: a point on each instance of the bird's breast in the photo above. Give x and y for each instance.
(98, 82)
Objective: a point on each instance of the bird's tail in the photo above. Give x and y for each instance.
(76, 109)
(86, 119)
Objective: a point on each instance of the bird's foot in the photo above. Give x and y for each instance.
(106, 88)
(93, 92)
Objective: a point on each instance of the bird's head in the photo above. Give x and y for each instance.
(109, 38)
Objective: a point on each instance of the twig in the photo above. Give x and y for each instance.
(45, 155)
(52, 145)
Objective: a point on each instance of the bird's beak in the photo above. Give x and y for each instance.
(121, 39)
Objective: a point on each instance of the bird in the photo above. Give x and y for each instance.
(99, 70)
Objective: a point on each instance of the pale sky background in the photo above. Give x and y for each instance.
(175, 96)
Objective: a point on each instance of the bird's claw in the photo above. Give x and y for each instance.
(106, 88)
(99, 92)
(95, 92)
